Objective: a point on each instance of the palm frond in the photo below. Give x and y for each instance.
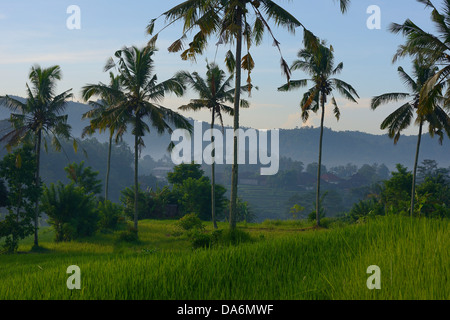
(387, 98)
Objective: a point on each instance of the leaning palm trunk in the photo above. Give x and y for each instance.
(319, 169)
(413, 190)
(237, 98)
(36, 215)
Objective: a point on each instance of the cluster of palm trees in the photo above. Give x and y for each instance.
(430, 85)
(132, 100)
(133, 96)
(239, 22)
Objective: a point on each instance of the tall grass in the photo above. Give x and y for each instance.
(413, 256)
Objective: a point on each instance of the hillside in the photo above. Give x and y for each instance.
(301, 144)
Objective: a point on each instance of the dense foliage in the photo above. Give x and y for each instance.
(17, 171)
(393, 195)
(71, 211)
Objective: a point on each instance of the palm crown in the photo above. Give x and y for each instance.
(41, 112)
(319, 64)
(435, 48)
(214, 92)
(426, 111)
(97, 115)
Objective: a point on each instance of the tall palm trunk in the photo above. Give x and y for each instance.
(237, 99)
(413, 190)
(213, 175)
(19, 201)
(108, 166)
(136, 191)
(36, 215)
(319, 169)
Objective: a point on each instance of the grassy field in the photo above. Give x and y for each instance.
(286, 260)
(268, 202)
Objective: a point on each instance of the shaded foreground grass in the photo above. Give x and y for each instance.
(413, 256)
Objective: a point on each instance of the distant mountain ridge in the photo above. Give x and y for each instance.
(340, 147)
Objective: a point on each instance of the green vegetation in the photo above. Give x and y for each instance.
(281, 263)
(40, 116)
(324, 251)
(214, 92)
(20, 194)
(71, 211)
(428, 111)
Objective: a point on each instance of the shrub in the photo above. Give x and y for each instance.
(234, 237)
(191, 222)
(127, 199)
(130, 235)
(111, 216)
(365, 208)
(71, 211)
(200, 240)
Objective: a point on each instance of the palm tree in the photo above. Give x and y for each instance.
(318, 62)
(435, 48)
(38, 117)
(214, 92)
(97, 114)
(426, 110)
(232, 22)
(139, 101)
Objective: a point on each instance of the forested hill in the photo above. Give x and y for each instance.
(339, 148)
(360, 148)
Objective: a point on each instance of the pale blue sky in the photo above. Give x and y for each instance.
(35, 32)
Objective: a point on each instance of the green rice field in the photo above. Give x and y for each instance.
(285, 261)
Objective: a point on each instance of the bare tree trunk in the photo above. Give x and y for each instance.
(136, 186)
(319, 169)
(213, 175)
(237, 99)
(413, 191)
(108, 167)
(37, 213)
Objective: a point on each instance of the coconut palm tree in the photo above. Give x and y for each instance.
(231, 21)
(138, 101)
(97, 114)
(434, 47)
(425, 110)
(39, 117)
(318, 62)
(214, 92)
